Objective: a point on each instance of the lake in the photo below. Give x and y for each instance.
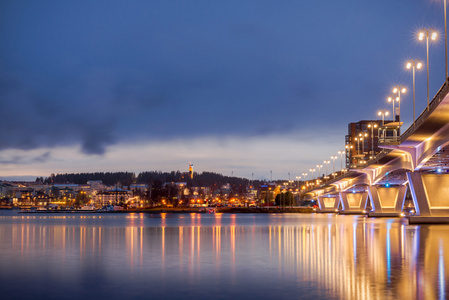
(220, 256)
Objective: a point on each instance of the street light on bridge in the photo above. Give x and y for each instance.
(412, 64)
(392, 99)
(383, 113)
(372, 125)
(347, 148)
(362, 137)
(341, 159)
(445, 38)
(399, 90)
(326, 162)
(298, 178)
(312, 170)
(319, 170)
(427, 33)
(333, 158)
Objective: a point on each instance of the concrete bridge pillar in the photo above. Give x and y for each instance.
(387, 201)
(328, 203)
(430, 194)
(354, 203)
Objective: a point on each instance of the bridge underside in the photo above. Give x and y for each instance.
(354, 202)
(417, 161)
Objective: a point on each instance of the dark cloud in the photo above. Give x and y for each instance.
(26, 159)
(94, 74)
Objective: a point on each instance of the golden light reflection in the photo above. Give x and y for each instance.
(347, 257)
(181, 241)
(198, 250)
(232, 237)
(163, 246)
(352, 260)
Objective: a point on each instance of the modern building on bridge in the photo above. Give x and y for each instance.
(361, 142)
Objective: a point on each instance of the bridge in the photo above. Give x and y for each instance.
(417, 160)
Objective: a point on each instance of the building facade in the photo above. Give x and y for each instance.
(361, 142)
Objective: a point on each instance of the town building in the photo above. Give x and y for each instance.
(361, 142)
(112, 197)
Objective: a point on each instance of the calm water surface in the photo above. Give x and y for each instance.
(221, 256)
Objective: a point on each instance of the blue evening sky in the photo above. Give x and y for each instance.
(236, 87)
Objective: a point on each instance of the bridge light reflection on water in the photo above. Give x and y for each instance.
(317, 256)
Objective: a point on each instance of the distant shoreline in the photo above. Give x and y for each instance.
(176, 210)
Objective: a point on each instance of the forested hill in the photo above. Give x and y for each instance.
(207, 179)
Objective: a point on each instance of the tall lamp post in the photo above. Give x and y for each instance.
(304, 176)
(341, 159)
(347, 148)
(392, 99)
(412, 64)
(333, 157)
(445, 37)
(383, 113)
(399, 90)
(427, 33)
(319, 170)
(362, 137)
(372, 125)
(312, 170)
(326, 162)
(297, 179)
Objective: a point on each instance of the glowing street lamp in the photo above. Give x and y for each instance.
(392, 99)
(298, 178)
(347, 147)
(412, 64)
(312, 170)
(445, 39)
(341, 159)
(326, 162)
(333, 158)
(399, 90)
(361, 138)
(427, 33)
(319, 169)
(372, 125)
(383, 113)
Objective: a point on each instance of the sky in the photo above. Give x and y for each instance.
(253, 89)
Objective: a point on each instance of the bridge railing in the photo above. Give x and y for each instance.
(329, 181)
(390, 140)
(351, 172)
(374, 160)
(439, 96)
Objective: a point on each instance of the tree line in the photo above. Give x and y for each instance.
(206, 179)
